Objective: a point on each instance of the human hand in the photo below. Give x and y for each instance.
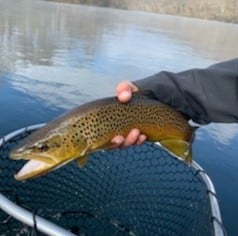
(124, 92)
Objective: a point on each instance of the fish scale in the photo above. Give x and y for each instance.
(91, 127)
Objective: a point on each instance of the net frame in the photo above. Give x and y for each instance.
(45, 226)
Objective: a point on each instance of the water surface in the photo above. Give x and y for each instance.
(56, 56)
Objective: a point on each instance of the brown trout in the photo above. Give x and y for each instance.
(90, 127)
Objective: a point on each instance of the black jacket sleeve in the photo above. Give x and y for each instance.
(204, 95)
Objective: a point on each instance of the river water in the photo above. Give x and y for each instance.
(55, 56)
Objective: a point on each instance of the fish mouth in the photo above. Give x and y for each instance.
(36, 166)
(44, 157)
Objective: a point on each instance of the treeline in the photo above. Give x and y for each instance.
(223, 10)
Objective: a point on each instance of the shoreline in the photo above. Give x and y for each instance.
(200, 9)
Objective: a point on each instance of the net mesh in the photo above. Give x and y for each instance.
(141, 190)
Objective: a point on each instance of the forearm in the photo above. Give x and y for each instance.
(204, 95)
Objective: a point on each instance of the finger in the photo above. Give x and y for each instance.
(142, 138)
(117, 141)
(124, 91)
(132, 137)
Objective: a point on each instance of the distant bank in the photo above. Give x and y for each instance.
(220, 10)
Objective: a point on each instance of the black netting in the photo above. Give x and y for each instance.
(141, 190)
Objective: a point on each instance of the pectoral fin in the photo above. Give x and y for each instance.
(82, 161)
(179, 147)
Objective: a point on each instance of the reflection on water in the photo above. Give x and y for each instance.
(215, 149)
(85, 47)
(56, 56)
(222, 134)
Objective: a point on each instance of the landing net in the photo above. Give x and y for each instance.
(141, 190)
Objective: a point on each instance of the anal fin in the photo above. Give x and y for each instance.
(180, 148)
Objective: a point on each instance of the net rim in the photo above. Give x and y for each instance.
(50, 228)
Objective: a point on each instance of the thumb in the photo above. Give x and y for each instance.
(124, 91)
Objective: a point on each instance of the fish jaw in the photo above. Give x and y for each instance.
(38, 164)
(33, 168)
(43, 157)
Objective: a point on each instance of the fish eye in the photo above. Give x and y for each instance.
(42, 147)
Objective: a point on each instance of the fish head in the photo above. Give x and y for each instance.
(45, 154)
